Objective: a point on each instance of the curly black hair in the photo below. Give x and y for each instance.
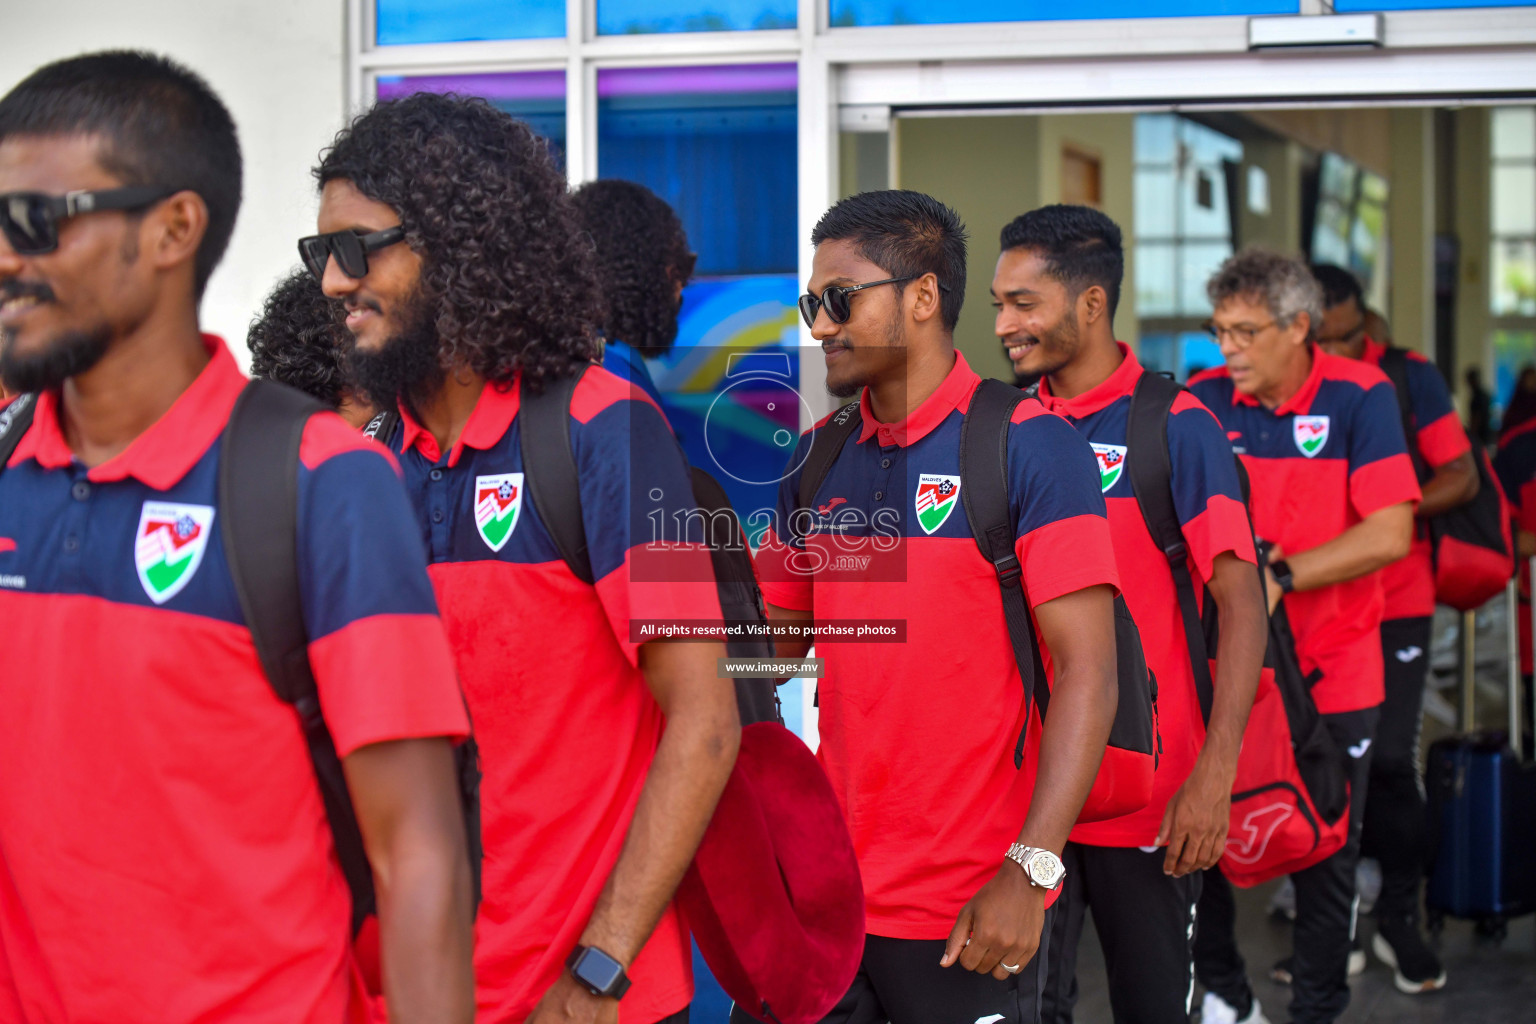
(642, 256)
(296, 340)
(504, 262)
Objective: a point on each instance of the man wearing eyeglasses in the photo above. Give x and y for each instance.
(603, 752)
(918, 736)
(1394, 814)
(1333, 492)
(165, 856)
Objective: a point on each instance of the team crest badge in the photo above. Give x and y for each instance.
(1111, 464)
(169, 546)
(1311, 433)
(498, 499)
(937, 496)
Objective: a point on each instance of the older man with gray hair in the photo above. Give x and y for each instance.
(1333, 495)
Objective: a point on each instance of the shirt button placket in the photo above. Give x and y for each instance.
(76, 519)
(437, 502)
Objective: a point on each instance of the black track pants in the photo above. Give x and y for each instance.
(1394, 810)
(1145, 921)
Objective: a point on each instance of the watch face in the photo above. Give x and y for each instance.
(598, 971)
(1045, 870)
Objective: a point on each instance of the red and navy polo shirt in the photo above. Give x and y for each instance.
(1410, 583)
(1208, 499)
(1327, 457)
(566, 723)
(1515, 464)
(918, 736)
(164, 853)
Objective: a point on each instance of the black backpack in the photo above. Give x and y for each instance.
(1318, 761)
(258, 495)
(258, 500)
(549, 465)
(984, 493)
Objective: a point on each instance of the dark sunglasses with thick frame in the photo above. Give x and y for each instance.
(834, 299)
(30, 220)
(351, 249)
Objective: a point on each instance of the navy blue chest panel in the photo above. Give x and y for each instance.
(121, 541)
(1320, 433)
(1106, 431)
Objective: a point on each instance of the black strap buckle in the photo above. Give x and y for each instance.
(1008, 569)
(1177, 552)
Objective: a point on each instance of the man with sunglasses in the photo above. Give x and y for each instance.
(1333, 492)
(1394, 813)
(165, 856)
(1055, 291)
(959, 850)
(603, 752)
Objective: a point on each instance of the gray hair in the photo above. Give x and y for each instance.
(1282, 283)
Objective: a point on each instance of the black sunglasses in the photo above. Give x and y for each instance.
(31, 220)
(351, 249)
(834, 298)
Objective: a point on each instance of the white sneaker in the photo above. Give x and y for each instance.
(1357, 962)
(1215, 1010)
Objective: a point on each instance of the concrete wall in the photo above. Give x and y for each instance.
(1411, 230)
(277, 64)
(991, 169)
(1470, 217)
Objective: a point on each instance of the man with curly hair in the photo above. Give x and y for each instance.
(451, 242)
(643, 262)
(297, 341)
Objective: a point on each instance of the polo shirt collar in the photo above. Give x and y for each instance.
(488, 424)
(167, 451)
(1301, 401)
(954, 389)
(1374, 350)
(1112, 388)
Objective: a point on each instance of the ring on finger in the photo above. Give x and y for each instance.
(1011, 968)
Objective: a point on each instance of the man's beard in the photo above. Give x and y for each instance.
(1054, 348)
(894, 352)
(408, 365)
(68, 355)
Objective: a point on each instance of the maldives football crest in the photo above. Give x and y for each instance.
(1111, 464)
(497, 502)
(937, 497)
(1311, 433)
(169, 546)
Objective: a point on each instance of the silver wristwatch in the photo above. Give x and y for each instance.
(1042, 867)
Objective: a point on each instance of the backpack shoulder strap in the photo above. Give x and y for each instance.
(382, 426)
(15, 420)
(984, 493)
(826, 444)
(1150, 465)
(1394, 363)
(258, 496)
(549, 468)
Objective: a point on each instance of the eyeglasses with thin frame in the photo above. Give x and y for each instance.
(834, 299)
(1241, 335)
(30, 220)
(351, 249)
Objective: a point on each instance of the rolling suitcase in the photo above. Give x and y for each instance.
(1482, 818)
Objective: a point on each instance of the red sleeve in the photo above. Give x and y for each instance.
(1443, 440)
(1222, 527)
(660, 585)
(1389, 481)
(784, 574)
(1067, 555)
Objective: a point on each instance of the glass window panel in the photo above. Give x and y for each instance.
(1154, 202)
(1373, 188)
(1202, 202)
(1337, 178)
(1206, 146)
(849, 13)
(1514, 133)
(1330, 235)
(1513, 350)
(1514, 199)
(1514, 277)
(719, 144)
(634, 17)
(1197, 262)
(1155, 279)
(537, 97)
(1156, 352)
(1155, 136)
(457, 21)
(1197, 351)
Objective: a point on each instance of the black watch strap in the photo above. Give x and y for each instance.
(1282, 572)
(597, 972)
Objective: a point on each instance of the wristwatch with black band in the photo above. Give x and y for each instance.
(597, 972)
(1282, 574)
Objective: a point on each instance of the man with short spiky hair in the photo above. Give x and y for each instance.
(959, 849)
(1055, 290)
(1333, 494)
(297, 341)
(450, 239)
(165, 852)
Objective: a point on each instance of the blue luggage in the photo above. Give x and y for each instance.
(1482, 820)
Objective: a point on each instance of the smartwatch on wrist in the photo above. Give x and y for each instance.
(597, 972)
(1282, 573)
